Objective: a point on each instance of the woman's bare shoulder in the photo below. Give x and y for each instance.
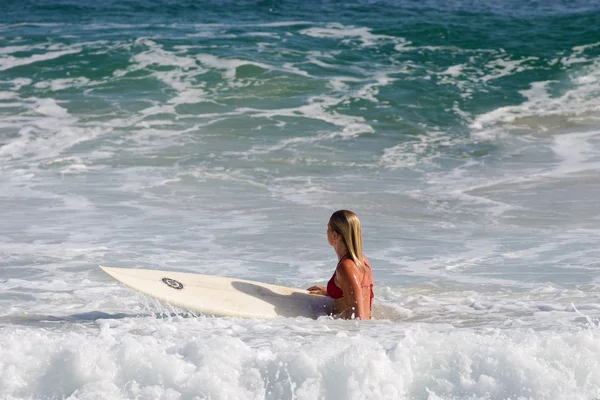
(347, 266)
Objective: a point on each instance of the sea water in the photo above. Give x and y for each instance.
(218, 137)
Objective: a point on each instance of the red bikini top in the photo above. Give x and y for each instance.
(335, 292)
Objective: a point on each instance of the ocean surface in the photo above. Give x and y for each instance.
(217, 137)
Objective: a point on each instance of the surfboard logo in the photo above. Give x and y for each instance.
(173, 283)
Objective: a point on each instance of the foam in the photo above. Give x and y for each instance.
(56, 124)
(22, 48)
(316, 108)
(577, 55)
(185, 68)
(18, 83)
(7, 96)
(469, 78)
(49, 107)
(284, 24)
(371, 90)
(180, 357)
(64, 83)
(33, 146)
(40, 24)
(156, 55)
(349, 131)
(578, 104)
(339, 31)
(500, 68)
(229, 65)
(263, 34)
(454, 71)
(305, 193)
(412, 153)
(210, 34)
(289, 67)
(577, 151)
(9, 62)
(405, 46)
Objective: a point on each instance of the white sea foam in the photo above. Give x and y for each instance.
(7, 95)
(35, 143)
(156, 55)
(21, 48)
(62, 84)
(18, 83)
(339, 84)
(454, 70)
(338, 31)
(501, 67)
(305, 193)
(49, 107)
(405, 46)
(41, 24)
(577, 56)
(578, 104)
(289, 67)
(263, 34)
(371, 90)
(229, 66)
(126, 358)
(8, 62)
(186, 68)
(422, 150)
(284, 24)
(469, 78)
(315, 109)
(578, 152)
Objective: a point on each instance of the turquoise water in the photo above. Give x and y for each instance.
(217, 138)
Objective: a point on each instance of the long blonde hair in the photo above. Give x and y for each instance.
(346, 224)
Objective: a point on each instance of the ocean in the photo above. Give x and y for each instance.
(217, 137)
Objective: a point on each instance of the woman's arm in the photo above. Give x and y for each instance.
(348, 281)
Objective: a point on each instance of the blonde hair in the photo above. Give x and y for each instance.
(346, 224)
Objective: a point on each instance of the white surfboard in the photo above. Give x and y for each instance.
(221, 296)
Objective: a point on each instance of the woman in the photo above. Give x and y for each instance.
(351, 285)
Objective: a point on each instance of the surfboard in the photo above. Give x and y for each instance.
(222, 296)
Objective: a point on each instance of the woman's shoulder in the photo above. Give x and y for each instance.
(348, 265)
(365, 260)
